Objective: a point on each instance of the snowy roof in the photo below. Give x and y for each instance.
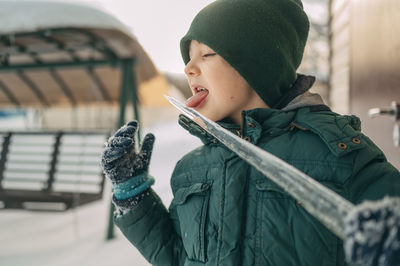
(36, 34)
(25, 16)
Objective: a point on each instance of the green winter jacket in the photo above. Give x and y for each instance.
(225, 212)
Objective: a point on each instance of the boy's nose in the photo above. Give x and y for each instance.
(191, 69)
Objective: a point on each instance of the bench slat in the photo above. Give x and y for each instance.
(51, 167)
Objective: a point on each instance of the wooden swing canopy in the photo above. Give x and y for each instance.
(51, 53)
(62, 54)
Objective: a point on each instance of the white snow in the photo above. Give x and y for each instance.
(77, 237)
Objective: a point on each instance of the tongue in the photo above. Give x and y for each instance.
(196, 99)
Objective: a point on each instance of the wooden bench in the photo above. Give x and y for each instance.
(50, 170)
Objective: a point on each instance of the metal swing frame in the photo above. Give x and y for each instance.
(11, 47)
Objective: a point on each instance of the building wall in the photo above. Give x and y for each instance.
(365, 65)
(375, 68)
(339, 39)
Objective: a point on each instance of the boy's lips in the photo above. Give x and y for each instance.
(198, 98)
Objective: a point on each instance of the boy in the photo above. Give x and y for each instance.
(241, 58)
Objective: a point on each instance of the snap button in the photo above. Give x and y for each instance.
(251, 125)
(215, 141)
(356, 141)
(298, 203)
(247, 138)
(342, 146)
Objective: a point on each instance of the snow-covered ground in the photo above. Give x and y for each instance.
(77, 237)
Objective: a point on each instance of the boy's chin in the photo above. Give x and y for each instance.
(208, 115)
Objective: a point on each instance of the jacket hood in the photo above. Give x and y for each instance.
(304, 100)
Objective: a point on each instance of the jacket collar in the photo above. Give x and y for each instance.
(199, 132)
(254, 123)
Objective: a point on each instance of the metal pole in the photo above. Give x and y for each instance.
(134, 95)
(124, 92)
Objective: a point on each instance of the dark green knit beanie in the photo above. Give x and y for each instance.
(262, 39)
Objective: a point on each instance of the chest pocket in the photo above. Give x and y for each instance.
(287, 234)
(192, 208)
(274, 238)
(268, 189)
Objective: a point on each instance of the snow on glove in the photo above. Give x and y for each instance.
(124, 166)
(372, 232)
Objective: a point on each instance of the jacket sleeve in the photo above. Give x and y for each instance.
(375, 180)
(149, 226)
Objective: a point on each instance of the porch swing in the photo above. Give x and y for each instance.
(45, 62)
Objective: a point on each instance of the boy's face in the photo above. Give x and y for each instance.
(219, 90)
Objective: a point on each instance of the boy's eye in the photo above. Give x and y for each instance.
(209, 54)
